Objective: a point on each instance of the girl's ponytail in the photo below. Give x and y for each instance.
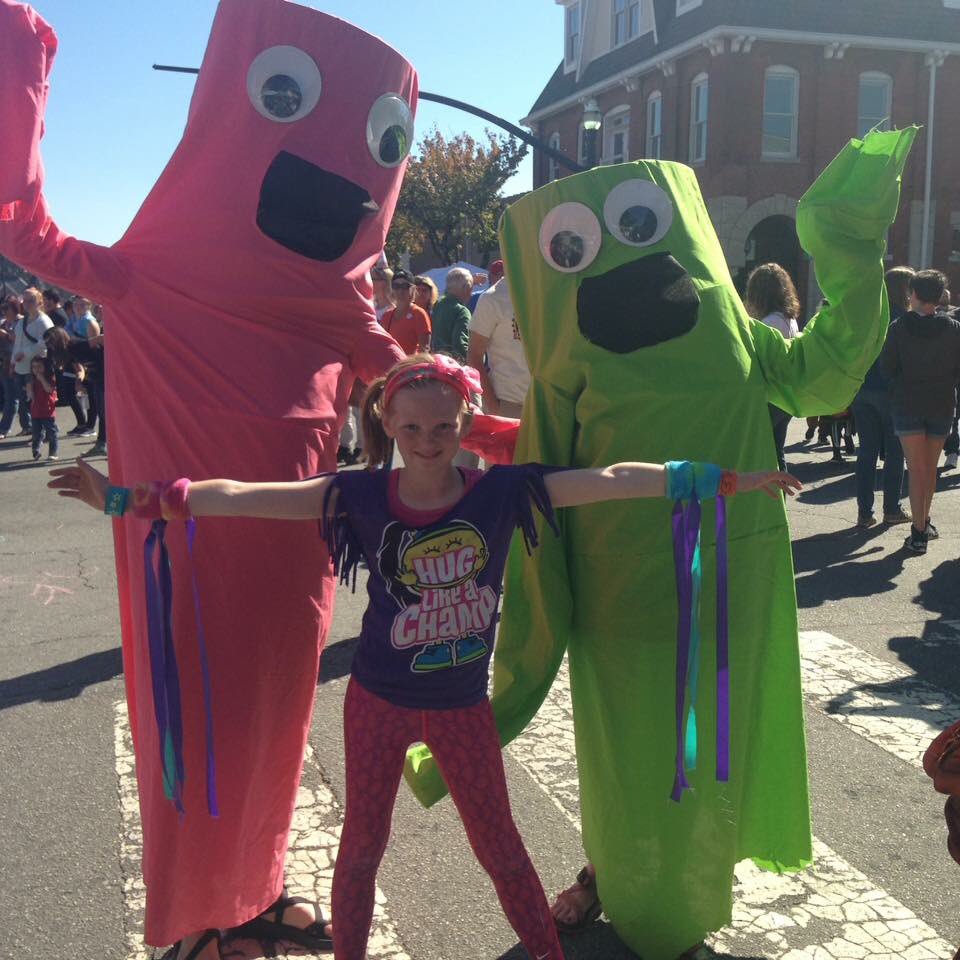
(376, 444)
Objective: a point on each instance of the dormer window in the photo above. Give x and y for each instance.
(571, 48)
(683, 6)
(626, 20)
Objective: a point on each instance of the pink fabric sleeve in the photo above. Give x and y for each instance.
(28, 235)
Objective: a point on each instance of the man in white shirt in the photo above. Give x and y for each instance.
(493, 331)
(27, 344)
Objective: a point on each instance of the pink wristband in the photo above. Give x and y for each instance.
(157, 500)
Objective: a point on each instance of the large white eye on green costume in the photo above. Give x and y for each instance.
(570, 237)
(283, 84)
(638, 212)
(390, 130)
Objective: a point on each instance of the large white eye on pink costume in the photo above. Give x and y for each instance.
(570, 237)
(390, 130)
(283, 84)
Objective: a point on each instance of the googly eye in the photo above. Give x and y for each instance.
(570, 237)
(283, 84)
(638, 212)
(390, 130)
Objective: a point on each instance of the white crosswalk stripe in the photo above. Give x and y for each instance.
(314, 837)
(881, 701)
(863, 921)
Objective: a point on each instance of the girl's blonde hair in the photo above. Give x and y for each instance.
(376, 444)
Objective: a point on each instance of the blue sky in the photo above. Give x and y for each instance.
(112, 122)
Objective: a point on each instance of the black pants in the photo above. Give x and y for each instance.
(952, 443)
(67, 392)
(779, 420)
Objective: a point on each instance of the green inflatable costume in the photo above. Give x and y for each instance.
(640, 349)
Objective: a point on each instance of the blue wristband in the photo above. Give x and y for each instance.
(679, 485)
(115, 502)
(686, 479)
(706, 480)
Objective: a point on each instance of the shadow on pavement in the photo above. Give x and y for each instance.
(336, 660)
(62, 682)
(833, 566)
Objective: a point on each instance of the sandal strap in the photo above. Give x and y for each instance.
(586, 879)
(202, 943)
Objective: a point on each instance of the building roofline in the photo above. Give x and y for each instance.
(758, 33)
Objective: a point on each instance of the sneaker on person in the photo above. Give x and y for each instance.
(25, 433)
(950, 462)
(916, 541)
(77, 431)
(87, 433)
(97, 450)
(931, 532)
(52, 456)
(866, 520)
(901, 516)
(36, 454)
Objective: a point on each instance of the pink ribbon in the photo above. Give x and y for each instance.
(465, 380)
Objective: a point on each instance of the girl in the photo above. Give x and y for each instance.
(42, 392)
(772, 299)
(435, 539)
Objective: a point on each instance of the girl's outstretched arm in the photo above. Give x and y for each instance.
(300, 500)
(625, 481)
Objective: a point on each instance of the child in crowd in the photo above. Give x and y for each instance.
(42, 393)
(434, 538)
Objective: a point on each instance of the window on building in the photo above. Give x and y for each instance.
(616, 136)
(655, 126)
(873, 104)
(586, 140)
(572, 34)
(626, 20)
(553, 165)
(699, 105)
(781, 87)
(684, 5)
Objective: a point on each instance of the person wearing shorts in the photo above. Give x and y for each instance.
(921, 358)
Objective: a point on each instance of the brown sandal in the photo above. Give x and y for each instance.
(585, 881)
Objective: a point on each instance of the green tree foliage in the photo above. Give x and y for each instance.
(451, 194)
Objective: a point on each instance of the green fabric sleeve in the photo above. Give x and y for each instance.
(533, 634)
(842, 222)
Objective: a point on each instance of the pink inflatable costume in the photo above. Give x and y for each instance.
(238, 317)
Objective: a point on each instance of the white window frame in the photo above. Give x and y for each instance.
(685, 6)
(700, 82)
(625, 9)
(874, 77)
(616, 121)
(570, 58)
(791, 153)
(654, 142)
(553, 165)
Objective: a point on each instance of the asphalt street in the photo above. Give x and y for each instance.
(880, 630)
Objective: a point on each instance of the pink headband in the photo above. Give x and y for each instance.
(465, 380)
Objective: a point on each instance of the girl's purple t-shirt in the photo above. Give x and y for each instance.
(434, 589)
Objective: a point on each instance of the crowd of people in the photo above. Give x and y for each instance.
(907, 408)
(51, 355)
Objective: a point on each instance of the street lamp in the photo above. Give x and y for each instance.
(591, 122)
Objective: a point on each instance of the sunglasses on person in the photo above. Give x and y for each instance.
(400, 286)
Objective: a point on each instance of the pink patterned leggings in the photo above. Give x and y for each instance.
(467, 750)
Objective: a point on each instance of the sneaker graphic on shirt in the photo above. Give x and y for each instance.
(469, 648)
(434, 656)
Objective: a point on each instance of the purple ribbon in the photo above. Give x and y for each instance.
(212, 807)
(163, 662)
(723, 648)
(686, 529)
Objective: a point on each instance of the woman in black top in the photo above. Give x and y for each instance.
(921, 358)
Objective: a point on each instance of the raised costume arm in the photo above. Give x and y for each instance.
(28, 235)
(532, 640)
(842, 222)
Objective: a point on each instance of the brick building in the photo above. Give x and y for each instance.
(758, 96)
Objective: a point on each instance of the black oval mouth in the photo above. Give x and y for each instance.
(638, 304)
(309, 210)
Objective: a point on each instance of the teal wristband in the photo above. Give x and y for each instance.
(115, 502)
(706, 480)
(679, 485)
